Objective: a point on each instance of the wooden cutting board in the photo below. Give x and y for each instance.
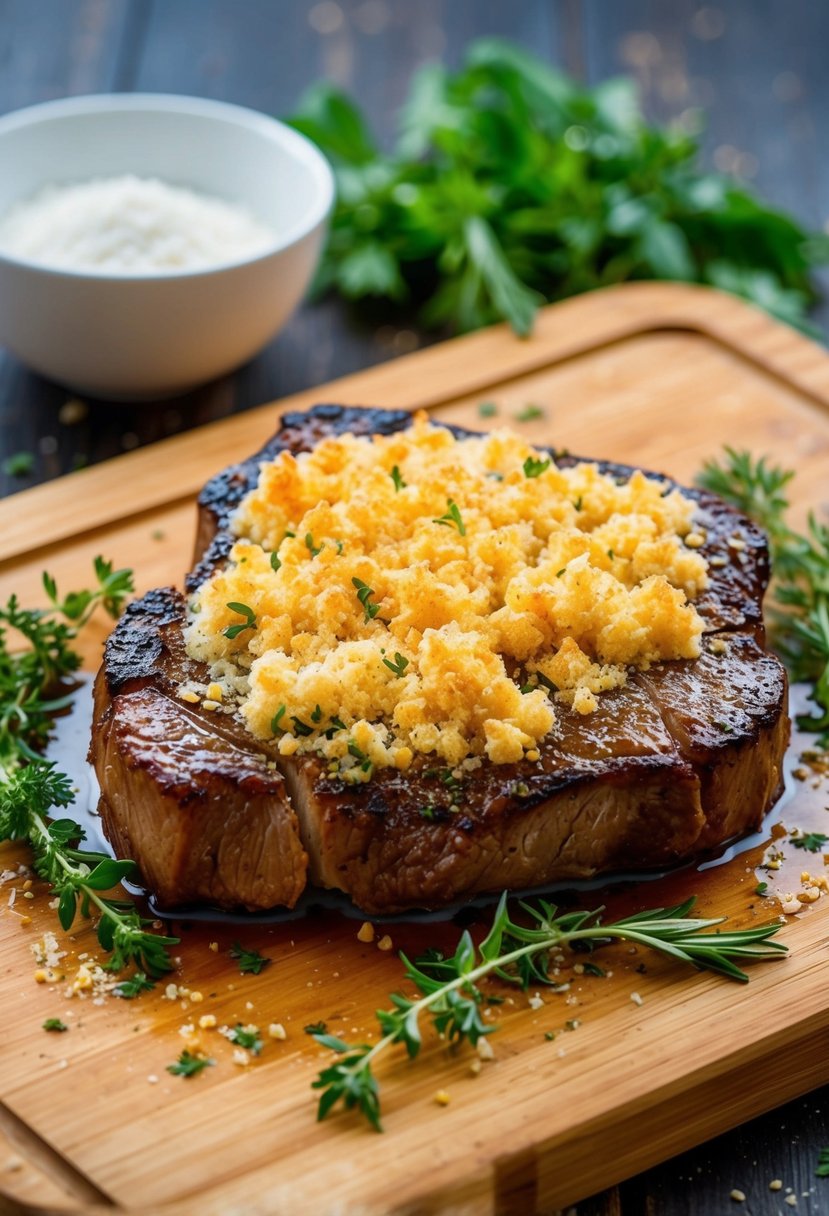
(656, 375)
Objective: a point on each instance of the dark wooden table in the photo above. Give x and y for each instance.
(757, 67)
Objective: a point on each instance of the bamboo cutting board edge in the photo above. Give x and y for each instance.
(568, 331)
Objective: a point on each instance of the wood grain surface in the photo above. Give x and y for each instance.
(659, 375)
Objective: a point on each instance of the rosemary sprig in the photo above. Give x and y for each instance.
(799, 616)
(520, 954)
(32, 691)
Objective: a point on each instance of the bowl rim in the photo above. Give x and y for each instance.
(296, 144)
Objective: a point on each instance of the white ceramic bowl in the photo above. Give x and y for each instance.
(143, 336)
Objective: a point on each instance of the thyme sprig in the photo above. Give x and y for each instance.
(33, 689)
(521, 954)
(799, 615)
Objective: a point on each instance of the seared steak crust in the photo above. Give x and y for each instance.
(684, 757)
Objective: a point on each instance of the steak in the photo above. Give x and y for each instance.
(684, 757)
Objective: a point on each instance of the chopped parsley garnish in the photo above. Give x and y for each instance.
(534, 468)
(822, 1167)
(399, 665)
(397, 478)
(487, 409)
(452, 518)
(311, 547)
(315, 1028)
(530, 413)
(275, 562)
(302, 728)
(316, 716)
(338, 724)
(594, 969)
(276, 728)
(251, 962)
(761, 888)
(559, 573)
(245, 1036)
(427, 812)
(578, 503)
(20, 464)
(364, 594)
(187, 1065)
(129, 989)
(812, 842)
(357, 752)
(549, 1035)
(55, 1024)
(233, 631)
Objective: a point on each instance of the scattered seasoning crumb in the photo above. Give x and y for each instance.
(572, 1024)
(153, 1079)
(484, 1049)
(636, 998)
(738, 1196)
(776, 1185)
(196, 997)
(72, 412)
(241, 1057)
(171, 992)
(475, 1067)
(207, 1021)
(536, 1001)
(385, 943)
(366, 932)
(791, 1200)
(277, 1031)
(442, 1098)
(214, 946)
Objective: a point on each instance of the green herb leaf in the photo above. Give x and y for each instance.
(534, 468)
(311, 547)
(55, 1024)
(315, 1028)
(530, 413)
(233, 631)
(188, 1065)
(812, 842)
(130, 988)
(364, 594)
(452, 518)
(246, 1037)
(20, 464)
(822, 1167)
(251, 962)
(399, 665)
(397, 478)
(487, 409)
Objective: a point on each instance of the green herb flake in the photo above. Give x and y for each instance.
(399, 665)
(189, 1065)
(397, 478)
(761, 888)
(276, 720)
(549, 1035)
(428, 813)
(316, 715)
(251, 962)
(276, 564)
(364, 594)
(315, 1028)
(246, 1037)
(534, 468)
(594, 969)
(487, 409)
(822, 1167)
(811, 842)
(530, 413)
(20, 464)
(233, 631)
(130, 988)
(55, 1024)
(452, 518)
(311, 547)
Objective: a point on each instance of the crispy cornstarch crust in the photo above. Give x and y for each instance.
(684, 757)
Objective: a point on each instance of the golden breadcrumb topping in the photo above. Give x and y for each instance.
(421, 593)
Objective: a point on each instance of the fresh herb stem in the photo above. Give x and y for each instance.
(799, 616)
(520, 954)
(31, 787)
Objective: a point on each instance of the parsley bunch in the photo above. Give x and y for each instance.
(520, 954)
(800, 610)
(33, 689)
(511, 185)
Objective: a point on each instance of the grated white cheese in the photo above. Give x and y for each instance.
(130, 225)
